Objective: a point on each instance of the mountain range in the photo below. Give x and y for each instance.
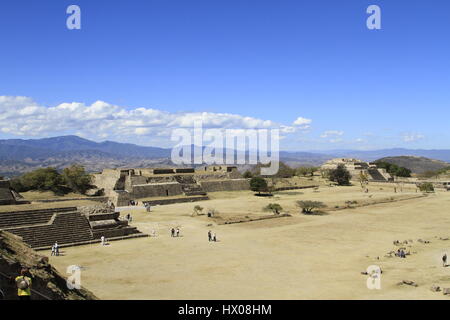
(21, 155)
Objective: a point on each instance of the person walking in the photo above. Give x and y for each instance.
(172, 232)
(103, 240)
(53, 250)
(444, 260)
(56, 248)
(209, 236)
(214, 237)
(23, 284)
(178, 232)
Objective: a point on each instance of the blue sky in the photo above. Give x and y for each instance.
(138, 68)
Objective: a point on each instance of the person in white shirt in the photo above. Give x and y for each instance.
(56, 248)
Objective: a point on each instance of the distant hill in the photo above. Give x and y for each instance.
(416, 164)
(18, 156)
(372, 155)
(18, 149)
(21, 155)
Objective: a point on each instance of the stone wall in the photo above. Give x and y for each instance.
(225, 185)
(120, 198)
(156, 190)
(160, 179)
(178, 200)
(106, 180)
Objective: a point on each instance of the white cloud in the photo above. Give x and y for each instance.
(24, 117)
(303, 123)
(412, 137)
(331, 133)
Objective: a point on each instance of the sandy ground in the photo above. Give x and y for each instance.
(298, 257)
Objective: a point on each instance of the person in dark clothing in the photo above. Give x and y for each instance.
(209, 235)
(444, 260)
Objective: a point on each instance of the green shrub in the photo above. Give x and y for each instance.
(308, 206)
(426, 187)
(274, 207)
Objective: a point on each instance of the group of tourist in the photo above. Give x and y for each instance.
(175, 232)
(212, 236)
(55, 249)
(133, 203)
(401, 253)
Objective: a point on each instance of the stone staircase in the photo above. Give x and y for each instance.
(30, 217)
(110, 226)
(376, 175)
(66, 228)
(40, 229)
(190, 186)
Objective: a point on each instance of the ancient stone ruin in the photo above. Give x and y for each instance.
(69, 226)
(356, 167)
(7, 195)
(123, 185)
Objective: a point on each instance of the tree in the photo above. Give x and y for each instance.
(43, 179)
(258, 184)
(363, 179)
(340, 175)
(308, 206)
(247, 174)
(77, 179)
(302, 171)
(17, 185)
(306, 171)
(393, 169)
(274, 207)
(426, 187)
(402, 172)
